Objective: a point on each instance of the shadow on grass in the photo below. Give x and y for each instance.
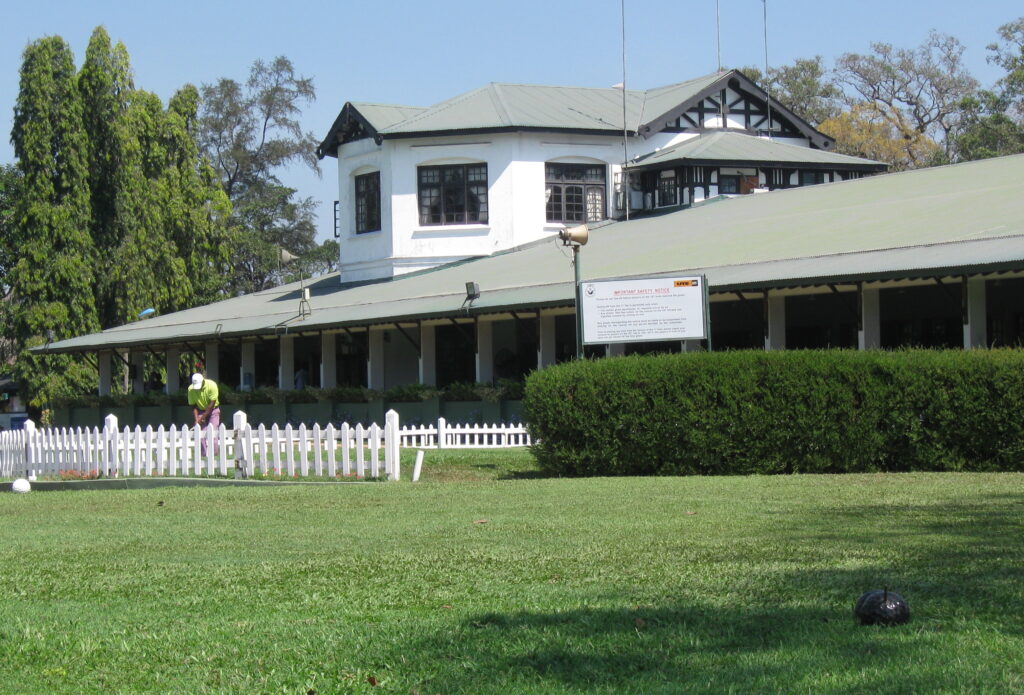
(793, 630)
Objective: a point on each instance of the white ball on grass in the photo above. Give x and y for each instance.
(21, 485)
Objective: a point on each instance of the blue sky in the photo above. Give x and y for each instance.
(420, 53)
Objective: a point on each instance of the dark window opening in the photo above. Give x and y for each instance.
(810, 178)
(728, 185)
(351, 355)
(368, 203)
(668, 188)
(456, 354)
(575, 192)
(453, 194)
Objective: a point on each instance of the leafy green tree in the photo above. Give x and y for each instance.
(917, 92)
(147, 182)
(116, 208)
(250, 132)
(10, 191)
(52, 281)
(805, 88)
(994, 120)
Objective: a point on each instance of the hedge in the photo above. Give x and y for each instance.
(758, 412)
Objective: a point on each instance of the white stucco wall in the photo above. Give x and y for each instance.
(516, 201)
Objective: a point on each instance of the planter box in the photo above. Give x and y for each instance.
(471, 412)
(267, 414)
(304, 413)
(416, 413)
(512, 411)
(153, 416)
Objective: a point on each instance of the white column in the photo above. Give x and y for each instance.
(106, 375)
(484, 351)
(286, 363)
(869, 336)
(171, 359)
(375, 359)
(689, 346)
(976, 328)
(776, 312)
(615, 350)
(428, 355)
(247, 367)
(212, 361)
(328, 360)
(138, 371)
(546, 341)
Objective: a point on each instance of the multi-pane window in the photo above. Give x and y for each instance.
(453, 194)
(810, 178)
(668, 191)
(368, 202)
(728, 185)
(575, 192)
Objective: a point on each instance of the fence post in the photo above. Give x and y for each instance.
(242, 452)
(30, 434)
(109, 443)
(442, 432)
(392, 462)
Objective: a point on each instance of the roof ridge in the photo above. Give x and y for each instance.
(498, 99)
(441, 106)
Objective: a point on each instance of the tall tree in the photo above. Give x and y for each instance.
(251, 132)
(147, 181)
(10, 192)
(53, 278)
(994, 120)
(805, 88)
(918, 92)
(863, 132)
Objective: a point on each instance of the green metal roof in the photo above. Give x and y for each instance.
(957, 219)
(503, 107)
(742, 149)
(381, 116)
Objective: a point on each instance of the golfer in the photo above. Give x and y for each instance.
(204, 398)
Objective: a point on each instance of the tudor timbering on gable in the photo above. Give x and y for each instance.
(506, 164)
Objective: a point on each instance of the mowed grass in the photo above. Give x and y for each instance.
(508, 585)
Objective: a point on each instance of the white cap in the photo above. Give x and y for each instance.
(197, 381)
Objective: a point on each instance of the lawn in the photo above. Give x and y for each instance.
(481, 580)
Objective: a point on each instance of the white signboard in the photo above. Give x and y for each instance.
(632, 311)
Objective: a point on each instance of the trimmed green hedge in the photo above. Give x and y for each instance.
(780, 412)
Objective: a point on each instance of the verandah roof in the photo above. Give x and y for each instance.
(959, 219)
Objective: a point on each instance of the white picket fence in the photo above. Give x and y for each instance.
(350, 451)
(444, 435)
(288, 451)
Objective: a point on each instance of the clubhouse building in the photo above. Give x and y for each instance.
(801, 247)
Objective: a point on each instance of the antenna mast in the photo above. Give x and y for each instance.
(767, 79)
(625, 152)
(718, 33)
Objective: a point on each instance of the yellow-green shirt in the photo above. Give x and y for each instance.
(202, 397)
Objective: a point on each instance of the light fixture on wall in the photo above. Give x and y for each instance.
(472, 292)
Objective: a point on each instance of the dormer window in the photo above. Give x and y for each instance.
(453, 194)
(575, 192)
(368, 202)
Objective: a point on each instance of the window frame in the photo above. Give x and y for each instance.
(589, 192)
(443, 192)
(367, 203)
